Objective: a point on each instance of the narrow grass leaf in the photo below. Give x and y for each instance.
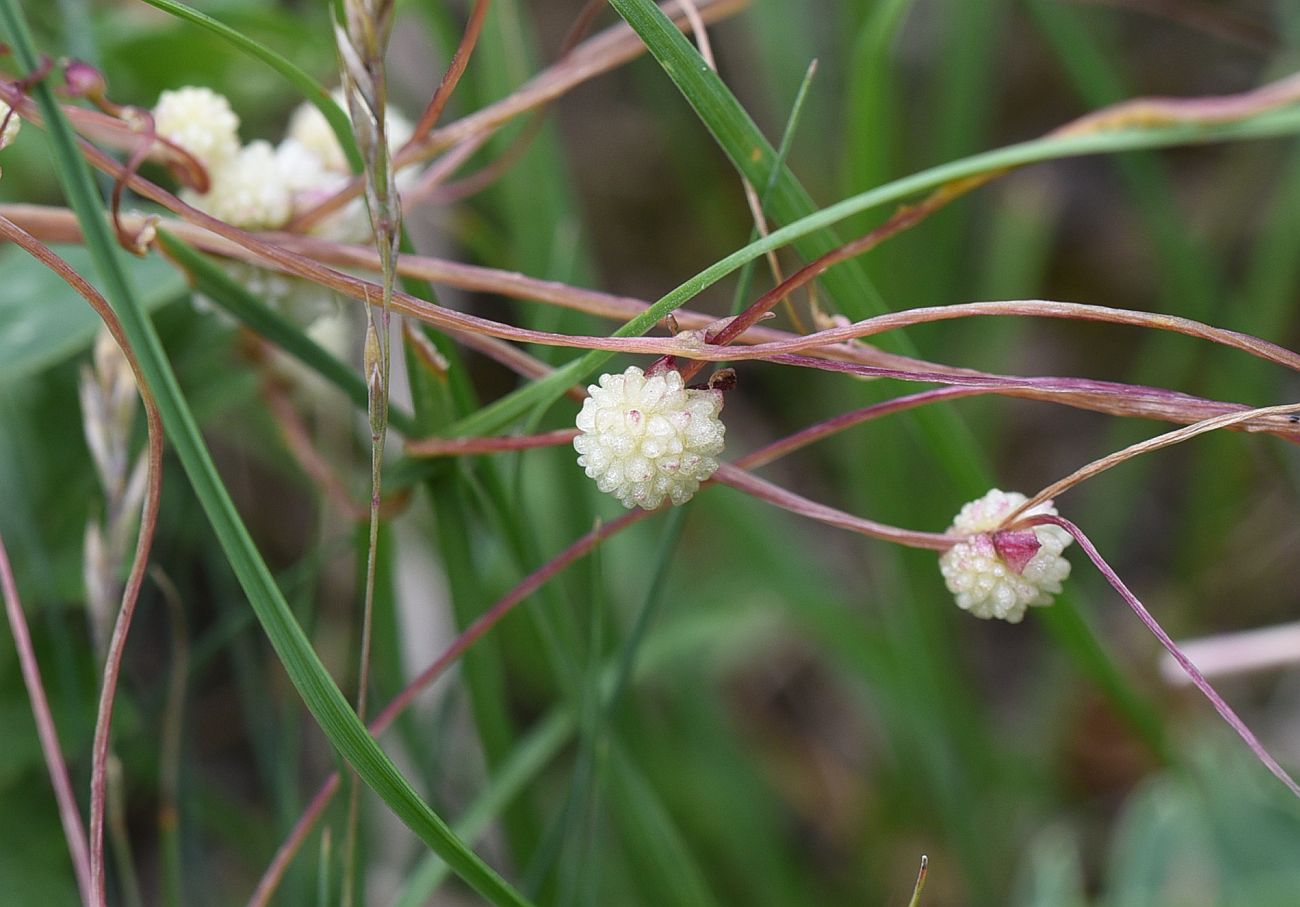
(321, 695)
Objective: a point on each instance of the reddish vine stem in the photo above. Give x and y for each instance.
(1167, 439)
(56, 225)
(482, 624)
(73, 831)
(763, 490)
(144, 541)
(455, 69)
(454, 447)
(1198, 679)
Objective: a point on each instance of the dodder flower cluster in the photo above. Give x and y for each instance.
(259, 186)
(983, 582)
(644, 439)
(200, 121)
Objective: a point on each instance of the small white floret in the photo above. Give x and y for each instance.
(309, 127)
(644, 439)
(200, 121)
(300, 167)
(11, 125)
(248, 191)
(982, 581)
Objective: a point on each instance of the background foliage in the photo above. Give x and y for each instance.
(809, 713)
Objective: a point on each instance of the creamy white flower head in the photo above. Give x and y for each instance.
(11, 125)
(200, 121)
(248, 191)
(349, 224)
(646, 439)
(984, 583)
(309, 127)
(300, 167)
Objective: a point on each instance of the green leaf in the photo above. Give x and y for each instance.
(42, 321)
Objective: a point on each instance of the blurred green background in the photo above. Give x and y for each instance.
(809, 713)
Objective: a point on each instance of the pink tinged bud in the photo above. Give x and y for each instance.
(84, 81)
(1016, 547)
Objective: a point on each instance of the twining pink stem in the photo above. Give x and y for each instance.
(788, 500)
(1107, 397)
(1033, 308)
(144, 542)
(1163, 111)
(1220, 705)
(59, 225)
(455, 447)
(836, 424)
(1087, 393)
(482, 624)
(456, 69)
(1168, 439)
(69, 814)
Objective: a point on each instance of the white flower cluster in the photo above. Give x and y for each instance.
(246, 191)
(258, 186)
(982, 580)
(644, 439)
(200, 121)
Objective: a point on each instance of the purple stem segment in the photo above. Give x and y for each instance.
(482, 624)
(73, 830)
(1220, 705)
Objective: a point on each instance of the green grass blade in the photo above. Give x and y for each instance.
(311, 90)
(321, 695)
(530, 755)
(438, 400)
(782, 152)
(662, 853)
(870, 116)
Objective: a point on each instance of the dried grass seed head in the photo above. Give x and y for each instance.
(981, 579)
(647, 439)
(309, 127)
